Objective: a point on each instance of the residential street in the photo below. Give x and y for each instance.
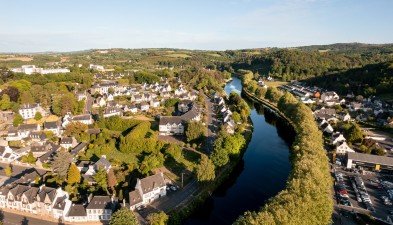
(211, 125)
(16, 219)
(173, 199)
(88, 104)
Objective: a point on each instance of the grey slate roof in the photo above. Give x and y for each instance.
(78, 148)
(151, 182)
(135, 197)
(77, 210)
(100, 202)
(375, 159)
(51, 125)
(170, 119)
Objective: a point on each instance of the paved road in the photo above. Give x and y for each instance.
(17, 169)
(88, 104)
(211, 129)
(15, 219)
(174, 199)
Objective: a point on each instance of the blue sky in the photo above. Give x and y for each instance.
(43, 25)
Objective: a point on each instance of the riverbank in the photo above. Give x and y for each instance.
(307, 196)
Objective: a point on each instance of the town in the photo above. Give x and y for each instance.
(60, 159)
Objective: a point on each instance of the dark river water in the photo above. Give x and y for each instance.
(261, 173)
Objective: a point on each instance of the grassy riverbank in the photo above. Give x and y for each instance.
(307, 196)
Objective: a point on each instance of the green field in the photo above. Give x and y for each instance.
(178, 55)
(275, 83)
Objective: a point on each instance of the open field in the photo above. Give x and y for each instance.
(178, 55)
(23, 59)
(275, 83)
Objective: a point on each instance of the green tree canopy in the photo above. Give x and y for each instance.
(195, 131)
(157, 218)
(38, 116)
(123, 216)
(18, 119)
(205, 170)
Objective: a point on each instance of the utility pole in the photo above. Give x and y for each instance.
(182, 180)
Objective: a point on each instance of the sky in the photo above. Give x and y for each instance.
(43, 25)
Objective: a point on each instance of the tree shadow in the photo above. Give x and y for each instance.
(25, 221)
(1, 215)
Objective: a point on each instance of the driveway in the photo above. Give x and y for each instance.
(176, 198)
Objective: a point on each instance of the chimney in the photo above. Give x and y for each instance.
(89, 198)
(103, 156)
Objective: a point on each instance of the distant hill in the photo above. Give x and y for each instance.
(351, 48)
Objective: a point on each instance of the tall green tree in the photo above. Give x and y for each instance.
(123, 216)
(73, 175)
(101, 178)
(205, 170)
(195, 131)
(5, 102)
(18, 119)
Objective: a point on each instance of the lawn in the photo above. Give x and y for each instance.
(275, 83)
(178, 55)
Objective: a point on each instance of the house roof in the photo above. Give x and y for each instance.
(28, 106)
(171, 120)
(100, 202)
(67, 140)
(78, 148)
(94, 131)
(82, 117)
(60, 203)
(151, 182)
(375, 159)
(102, 162)
(51, 125)
(135, 197)
(192, 113)
(77, 210)
(28, 127)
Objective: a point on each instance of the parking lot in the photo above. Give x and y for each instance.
(366, 193)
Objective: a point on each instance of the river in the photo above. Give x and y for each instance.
(261, 174)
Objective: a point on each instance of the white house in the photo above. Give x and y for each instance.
(100, 208)
(344, 116)
(330, 95)
(326, 127)
(171, 125)
(68, 142)
(28, 111)
(112, 111)
(130, 108)
(147, 190)
(343, 148)
(154, 103)
(86, 119)
(144, 107)
(54, 126)
(336, 138)
(77, 213)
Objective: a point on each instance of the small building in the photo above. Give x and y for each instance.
(77, 213)
(336, 138)
(100, 208)
(367, 161)
(28, 111)
(147, 190)
(54, 126)
(68, 142)
(171, 125)
(342, 148)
